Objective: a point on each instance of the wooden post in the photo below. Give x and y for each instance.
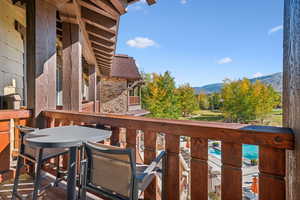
(291, 92)
(271, 173)
(231, 171)
(72, 67)
(115, 136)
(93, 85)
(149, 156)
(199, 169)
(98, 94)
(131, 138)
(172, 182)
(41, 58)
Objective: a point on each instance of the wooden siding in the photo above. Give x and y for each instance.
(11, 47)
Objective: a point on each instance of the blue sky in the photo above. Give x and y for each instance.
(204, 42)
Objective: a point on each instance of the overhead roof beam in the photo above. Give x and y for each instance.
(106, 7)
(97, 10)
(119, 6)
(99, 26)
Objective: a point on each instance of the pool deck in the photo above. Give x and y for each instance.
(248, 171)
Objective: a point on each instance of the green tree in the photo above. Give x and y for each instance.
(203, 101)
(187, 99)
(244, 101)
(215, 101)
(159, 96)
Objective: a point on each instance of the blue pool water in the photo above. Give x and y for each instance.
(249, 151)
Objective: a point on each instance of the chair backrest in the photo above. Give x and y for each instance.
(111, 169)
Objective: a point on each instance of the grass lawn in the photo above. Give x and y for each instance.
(274, 119)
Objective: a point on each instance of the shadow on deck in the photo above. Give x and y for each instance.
(26, 187)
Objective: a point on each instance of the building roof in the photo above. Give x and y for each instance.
(124, 66)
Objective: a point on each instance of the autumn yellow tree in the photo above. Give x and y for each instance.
(244, 101)
(187, 99)
(160, 96)
(203, 101)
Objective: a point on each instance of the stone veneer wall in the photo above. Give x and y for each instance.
(113, 95)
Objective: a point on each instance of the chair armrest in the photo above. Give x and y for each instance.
(23, 131)
(152, 168)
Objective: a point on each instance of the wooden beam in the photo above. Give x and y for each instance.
(108, 30)
(100, 38)
(100, 55)
(97, 10)
(119, 6)
(103, 48)
(71, 12)
(291, 92)
(151, 2)
(99, 32)
(101, 52)
(102, 43)
(72, 67)
(106, 7)
(104, 61)
(41, 58)
(58, 3)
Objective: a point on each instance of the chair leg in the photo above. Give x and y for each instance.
(17, 175)
(38, 167)
(57, 171)
(83, 174)
(163, 178)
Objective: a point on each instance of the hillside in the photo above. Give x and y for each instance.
(275, 80)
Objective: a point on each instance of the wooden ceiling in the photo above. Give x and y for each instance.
(99, 23)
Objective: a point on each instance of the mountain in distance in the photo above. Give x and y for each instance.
(275, 80)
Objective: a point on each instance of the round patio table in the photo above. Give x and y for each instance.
(70, 137)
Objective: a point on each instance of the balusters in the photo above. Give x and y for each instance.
(131, 138)
(115, 136)
(231, 171)
(149, 156)
(199, 169)
(272, 173)
(172, 183)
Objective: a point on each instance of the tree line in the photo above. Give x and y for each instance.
(239, 101)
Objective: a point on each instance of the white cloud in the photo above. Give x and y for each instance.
(141, 42)
(225, 60)
(183, 1)
(257, 74)
(275, 29)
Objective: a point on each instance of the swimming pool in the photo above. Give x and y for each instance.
(249, 151)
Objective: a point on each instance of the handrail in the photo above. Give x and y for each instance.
(14, 114)
(272, 141)
(275, 137)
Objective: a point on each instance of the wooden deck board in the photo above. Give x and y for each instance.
(26, 187)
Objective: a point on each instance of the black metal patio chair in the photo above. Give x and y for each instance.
(37, 156)
(113, 173)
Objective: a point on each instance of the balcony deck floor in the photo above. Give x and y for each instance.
(26, 187)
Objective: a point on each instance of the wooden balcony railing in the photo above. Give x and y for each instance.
(272, 142)
(9, 136)
(134, 100)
